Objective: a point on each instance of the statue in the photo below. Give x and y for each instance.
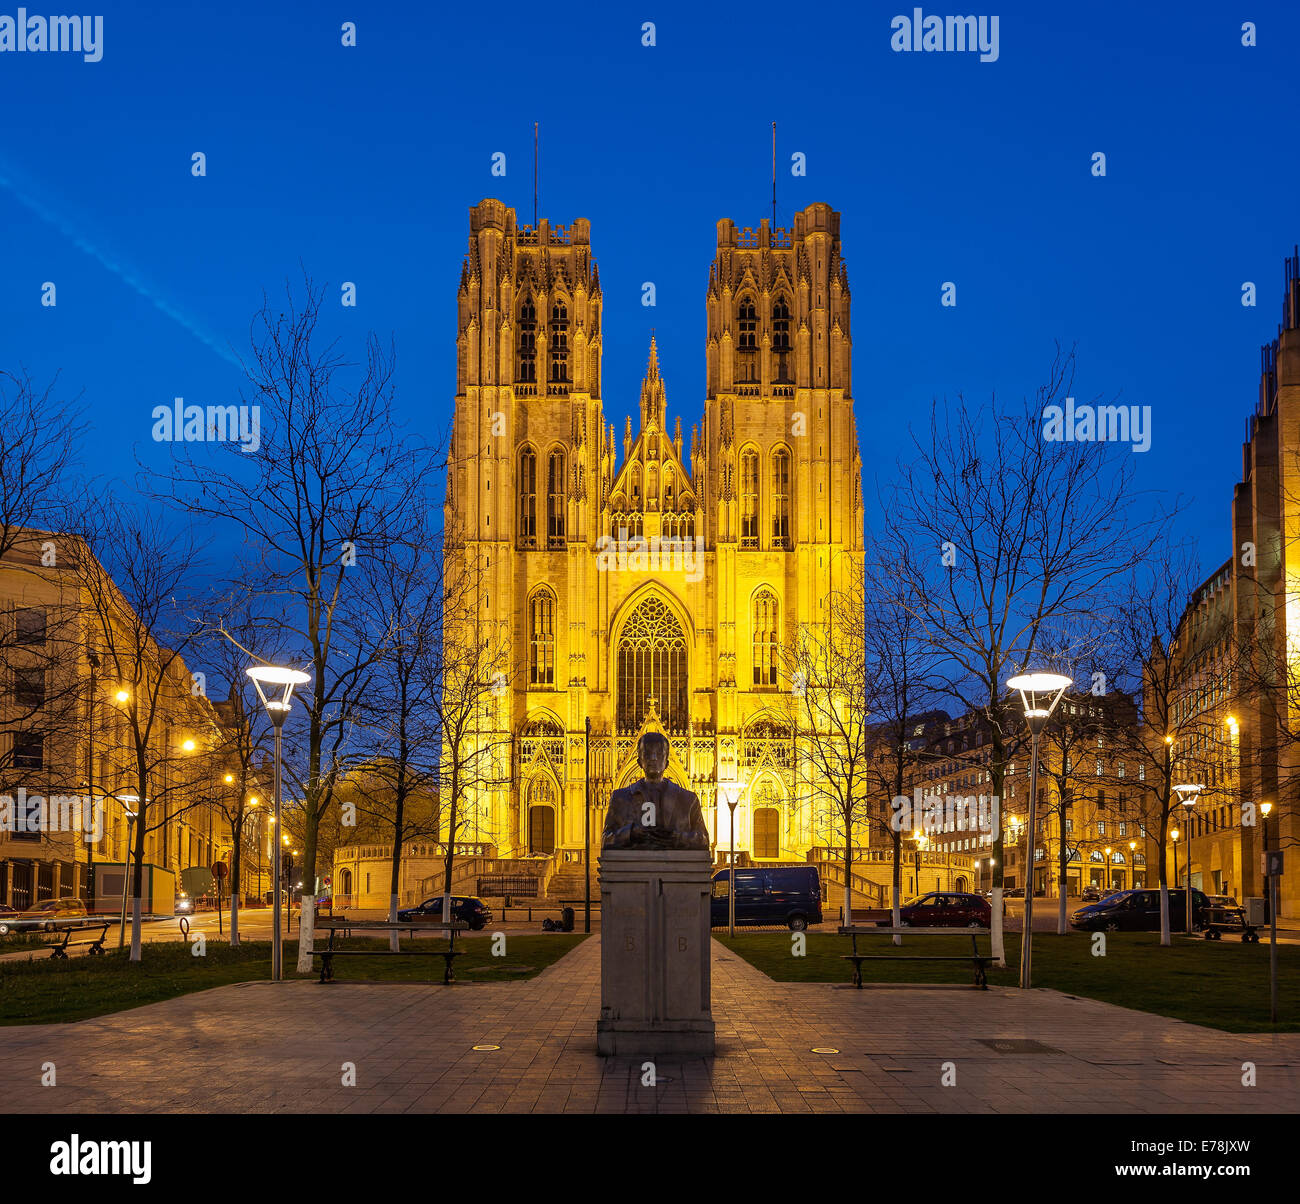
(654, 813)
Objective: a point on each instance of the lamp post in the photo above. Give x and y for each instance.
(1108, 873)
(1173, 836)
(278, 710)
(1187, 795)
(1039, 694)
(93, 660)
(1132, 863)
(586, 835)
(1265, 809)
(126, 861)
(918, 838)
(733, 799)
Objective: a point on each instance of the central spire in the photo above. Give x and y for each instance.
(652, 392)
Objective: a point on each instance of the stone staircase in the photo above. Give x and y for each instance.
(568, 882)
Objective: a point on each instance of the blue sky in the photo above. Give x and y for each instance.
(360, 163)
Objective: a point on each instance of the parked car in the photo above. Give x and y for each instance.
(52, 914)
(1139, 911)
(1091, 894)
(467, 908)
(1015, 892)
(184, 904)
(780, 894)
(945, 909)
(6, 922)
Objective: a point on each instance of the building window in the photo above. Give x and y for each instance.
(749, 499)
(541, 660)
(29, 751)
(652, 663)
(748, 344)
(527, 342)
(765, 638)
(556, 500)
(29, 687)
(781, 343)
(559, 343)
(29, 625)
(781, 498)
(528, 499)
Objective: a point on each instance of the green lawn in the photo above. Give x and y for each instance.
(1222, 984)
(43, 990)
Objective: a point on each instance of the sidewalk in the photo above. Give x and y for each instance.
(267, 1048)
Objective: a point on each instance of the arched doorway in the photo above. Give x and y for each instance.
(345, 884)
(767, 832)
(961, 885)
(541, 817)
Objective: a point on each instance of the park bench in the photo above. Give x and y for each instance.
(979, 960)
(338, 924)
(96, 943)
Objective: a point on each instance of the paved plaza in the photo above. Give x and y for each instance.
(267, 1048)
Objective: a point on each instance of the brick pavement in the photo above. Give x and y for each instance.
(265, 1048)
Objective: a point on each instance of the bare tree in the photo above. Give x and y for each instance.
(901, 688)
(399, 784)
(1151, 640)
(321, 501)
(828, 708)
(998, 530)
(465, 676)
(133, 575)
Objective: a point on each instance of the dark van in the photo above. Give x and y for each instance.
(780, 894)
(1139, 911)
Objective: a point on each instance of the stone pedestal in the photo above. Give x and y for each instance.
(654, 953)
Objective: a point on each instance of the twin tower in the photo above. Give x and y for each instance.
(749, 527)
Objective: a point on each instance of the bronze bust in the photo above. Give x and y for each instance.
(654, 813)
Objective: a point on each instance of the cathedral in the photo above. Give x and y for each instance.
(649, 583)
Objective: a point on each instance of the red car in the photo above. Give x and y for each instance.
(946, 909)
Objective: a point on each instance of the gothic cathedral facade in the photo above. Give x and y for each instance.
(652, 585)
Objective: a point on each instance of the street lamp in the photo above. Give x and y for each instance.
(919, 838)
(1039, 694)
(126, 861)
(1173, 836)
(732, 798)
(1187, 795)
(1108, 867)
(1132, 862)
(278, 710)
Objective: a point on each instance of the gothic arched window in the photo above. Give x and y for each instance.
(559, 343)
(749, 498)
(541, 640)
(764, 631)
(527, 342)
(781, 342)
(747, 346)
(781, 498)
(652, 663)
(556, 500)
(528, 498)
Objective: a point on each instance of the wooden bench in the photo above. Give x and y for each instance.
(96, 943)
(337, 924)
(980, 961)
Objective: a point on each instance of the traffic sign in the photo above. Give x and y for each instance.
(220, 869)
(1273, 863)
